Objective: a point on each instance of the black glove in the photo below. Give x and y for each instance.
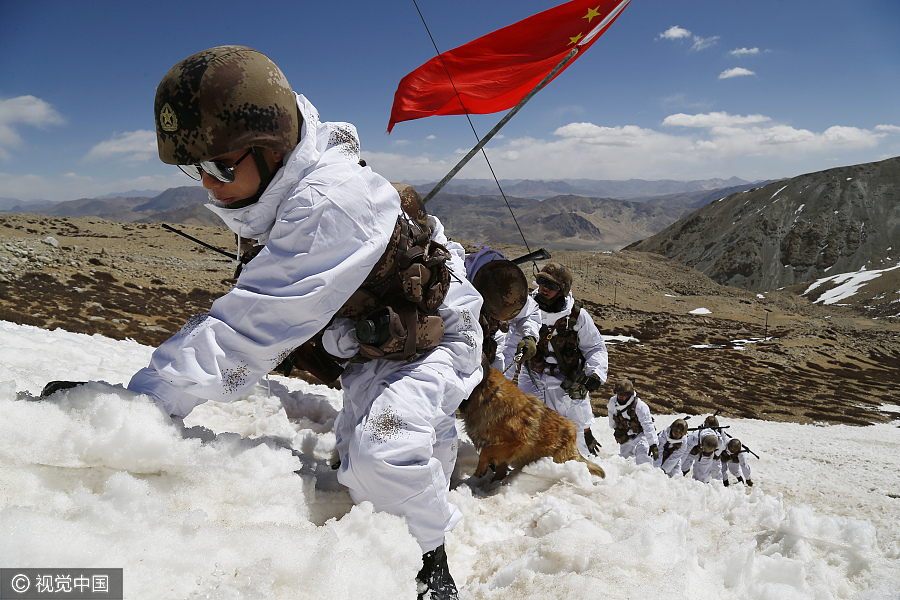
(725, 482)
(592, 444)
(654, 452)
(527, 347)
(54, 386)
(593, 383)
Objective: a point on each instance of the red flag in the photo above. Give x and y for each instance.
(497, 70)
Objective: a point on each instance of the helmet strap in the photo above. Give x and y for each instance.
(265, 178)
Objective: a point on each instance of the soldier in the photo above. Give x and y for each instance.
(672, 445)
(510, 317)
(326, 289)
(704, 447)
(734, 458)
(570, 359)
(632, 424)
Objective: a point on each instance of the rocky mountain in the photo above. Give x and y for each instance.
(797, 230)
(566, 222)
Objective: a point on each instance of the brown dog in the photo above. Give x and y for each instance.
(511, 428)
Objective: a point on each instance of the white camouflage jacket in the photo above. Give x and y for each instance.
(325, 221)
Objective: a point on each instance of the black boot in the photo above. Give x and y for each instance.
(434, 581)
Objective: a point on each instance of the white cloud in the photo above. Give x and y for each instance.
(744, 51)
(735, 72)
(431, 137)
(888, 128)
(703, 43)
(131, 146)
(679, 33)
(628, 135)
(686, 146)
(23, 110)
(713, 119)
(674, 33)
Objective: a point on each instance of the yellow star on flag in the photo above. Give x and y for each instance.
(574, 40)
(591, 13)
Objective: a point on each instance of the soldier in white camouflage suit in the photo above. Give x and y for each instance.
(570, 361)
(328, 289)
(734, 461)
(632, 424)
(672, 446)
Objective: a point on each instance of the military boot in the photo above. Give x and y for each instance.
(434, 581)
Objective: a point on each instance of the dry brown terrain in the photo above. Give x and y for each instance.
(803, 363)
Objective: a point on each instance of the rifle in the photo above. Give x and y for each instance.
(202, 243)
(539, 254)
(743, 447)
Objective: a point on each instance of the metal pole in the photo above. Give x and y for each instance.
(499, 125)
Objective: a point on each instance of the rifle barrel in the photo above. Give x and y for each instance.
(202, 243)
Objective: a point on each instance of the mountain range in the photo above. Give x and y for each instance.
(756, 236)
(550, 213)
(632, 189)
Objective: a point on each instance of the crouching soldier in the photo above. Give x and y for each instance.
(704, 447)
(344, 283)
(632, 424)
(734, 461)
(672, 446)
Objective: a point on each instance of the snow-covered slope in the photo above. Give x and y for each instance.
(99, 477)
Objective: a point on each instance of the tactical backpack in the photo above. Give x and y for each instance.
(569, 359)
(626, 420)
(668, 449)
(395, 308)
(397, 304)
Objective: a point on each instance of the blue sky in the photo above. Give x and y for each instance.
(676, 89)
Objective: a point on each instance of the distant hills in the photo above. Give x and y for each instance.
(564, 214)
(757, 236)
(630, 189)
(177, 205)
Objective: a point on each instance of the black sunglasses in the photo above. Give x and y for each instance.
(214, 168)
(550, 285)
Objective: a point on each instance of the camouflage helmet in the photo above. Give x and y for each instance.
(558, 274)
(711, 421)
(678, 428)
(709, 443)
(734, 445)
(504, 288)
(412, 205)
(222, 100)
(624, 386)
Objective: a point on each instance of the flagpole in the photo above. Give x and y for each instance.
(499, 125)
